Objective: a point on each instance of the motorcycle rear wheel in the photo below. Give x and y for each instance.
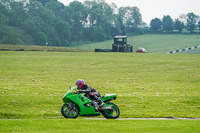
(70, 113)
(111, 114)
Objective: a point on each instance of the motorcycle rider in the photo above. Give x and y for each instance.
(91, 93)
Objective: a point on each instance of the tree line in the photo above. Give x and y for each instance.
(49, 22)
(190, 22)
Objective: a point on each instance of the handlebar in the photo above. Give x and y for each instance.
(76, 92)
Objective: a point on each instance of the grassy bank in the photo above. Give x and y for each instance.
(154, 43)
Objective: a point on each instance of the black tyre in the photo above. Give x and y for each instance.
(70, 112)
(111, 114)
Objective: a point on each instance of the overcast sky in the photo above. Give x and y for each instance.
(156, 8)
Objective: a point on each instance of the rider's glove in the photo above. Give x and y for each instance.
(80, 91)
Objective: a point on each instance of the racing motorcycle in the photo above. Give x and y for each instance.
(76, 104)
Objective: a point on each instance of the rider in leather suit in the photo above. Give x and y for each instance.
(90, 92)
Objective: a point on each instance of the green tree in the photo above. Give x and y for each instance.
(77, 18)
(199, 25)
(99, 34)
(137, 18)
(131, 18)
(191, 21)
(99, 14)
(55, 6)
(41, 38)
(65, 14)
(63, 30)
(178, 25)
(13, 15)
(10, 35)
(17, 14)
(117, 26)
(4, 19)
(122, 19)
(52, 35)
(42, 22)
(44, 2)
(167, 23)
(155, 25)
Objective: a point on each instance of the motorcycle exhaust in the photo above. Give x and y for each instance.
(107, 108)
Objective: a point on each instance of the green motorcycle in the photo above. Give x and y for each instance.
(77, 104)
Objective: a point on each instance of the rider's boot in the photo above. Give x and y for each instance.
(101, 103)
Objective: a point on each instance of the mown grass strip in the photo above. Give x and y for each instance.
(112, 126)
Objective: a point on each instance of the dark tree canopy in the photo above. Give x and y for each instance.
(168, 24)
(156, 25)
(199, 25)
(191, 21)
(178, 25)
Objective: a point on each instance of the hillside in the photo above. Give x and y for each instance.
(154, 43)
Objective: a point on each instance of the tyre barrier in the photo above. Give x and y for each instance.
(103, 50)
(181, 50)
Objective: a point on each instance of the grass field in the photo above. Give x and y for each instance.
(154, 43)
(98, 126)
(32, 85)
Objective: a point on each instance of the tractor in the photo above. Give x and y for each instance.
(119, 45)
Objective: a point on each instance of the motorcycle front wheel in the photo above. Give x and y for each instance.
(111, 114)
(70, 111)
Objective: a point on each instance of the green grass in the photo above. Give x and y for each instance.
(154, 43)
(32, 85)
(148, 85)
(99, 126)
